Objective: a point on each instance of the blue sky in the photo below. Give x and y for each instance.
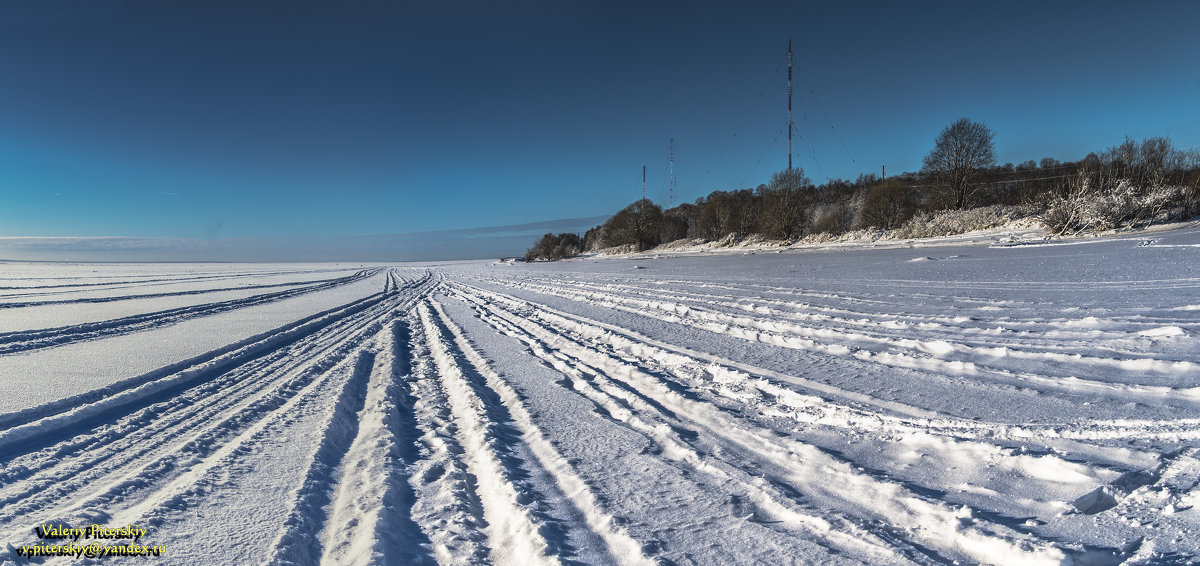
(231, 121)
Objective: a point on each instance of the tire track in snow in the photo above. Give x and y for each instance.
(1035, 334)
(939, 528)
(912, 354)
(64, 412)
(170, 484)
(1058, 481)
(370, 515)
(155, 444)
(299, 542)
(351, 395)
(769, 504)
(865, 328)
(26, 341)
(30, 428)
(273, 354)
(364, 274)
(1054, 336)
(617, 546)
(567, 320)
(330, 437)
(250, 459)
(133, 440)
(514, 535)
(941, 442)
(131, 283)
(446, 505)
(907, 417)
(349, 459)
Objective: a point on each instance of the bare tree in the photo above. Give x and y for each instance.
(718, 216)
(960, 152)
(889, 204)
(785, 201)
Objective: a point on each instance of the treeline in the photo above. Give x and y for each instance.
(555, 247)
(1135, 182)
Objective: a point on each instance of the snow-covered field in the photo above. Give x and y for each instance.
(1030, 404)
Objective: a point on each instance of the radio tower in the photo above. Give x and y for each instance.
(643, 182)
(789, 126)
(671, 173)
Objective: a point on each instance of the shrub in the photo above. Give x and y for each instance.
(833, 218)
(1116, 203)
(948, 222)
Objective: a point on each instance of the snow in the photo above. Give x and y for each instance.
(60, 305)
(834, 403)
(81, 364)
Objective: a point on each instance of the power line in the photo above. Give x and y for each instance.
(789, 123)
(813, 154)
(824, 114)
(746, 118)
(764, 155)
(989, 182)
(671, 171)
(1061, 165)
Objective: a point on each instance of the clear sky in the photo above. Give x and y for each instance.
(231, 121)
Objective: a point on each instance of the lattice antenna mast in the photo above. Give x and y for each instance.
(671, 173)
(643, 182)
(789, 125)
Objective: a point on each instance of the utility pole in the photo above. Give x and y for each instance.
(789, 124)
(883, 172)
(643, 182)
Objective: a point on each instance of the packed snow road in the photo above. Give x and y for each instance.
(1020, 405)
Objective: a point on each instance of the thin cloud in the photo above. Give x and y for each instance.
(470, 243)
